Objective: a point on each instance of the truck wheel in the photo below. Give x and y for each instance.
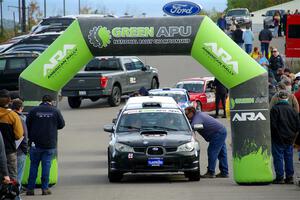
(154, 83)
(115, 97)
(74, 102)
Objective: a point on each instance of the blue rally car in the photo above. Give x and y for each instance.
(181, 96)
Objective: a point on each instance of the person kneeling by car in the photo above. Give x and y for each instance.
(214, 133)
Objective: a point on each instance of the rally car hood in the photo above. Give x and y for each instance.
(155, 138)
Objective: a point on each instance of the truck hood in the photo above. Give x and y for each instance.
(154, 138)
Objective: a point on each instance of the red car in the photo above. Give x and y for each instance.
(201, 92)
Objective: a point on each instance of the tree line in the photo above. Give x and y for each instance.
(253, 5)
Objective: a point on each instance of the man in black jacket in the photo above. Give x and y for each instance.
(42, 123)
(265, 36)
(285, 126)
(237, 36)
(221, 95)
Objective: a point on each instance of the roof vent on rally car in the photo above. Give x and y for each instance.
(151, 105)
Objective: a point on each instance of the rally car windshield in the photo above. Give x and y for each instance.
(146, 119)
(194, 87)
(179, 97)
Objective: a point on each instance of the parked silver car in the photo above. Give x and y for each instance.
(268, 20)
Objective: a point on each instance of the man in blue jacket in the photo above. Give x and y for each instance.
(215, 133)
(42, 123)
(222, 22)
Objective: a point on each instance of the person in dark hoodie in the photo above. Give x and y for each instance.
(42, 122)
(11, 130)
(285, 126)
(265, 36)
(237, 36)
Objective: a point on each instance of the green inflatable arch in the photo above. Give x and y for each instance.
(197, 36)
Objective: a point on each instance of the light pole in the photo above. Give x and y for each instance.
(23, 23)
(1, 17)
(79, 7)
(64, 7)
(14, 17)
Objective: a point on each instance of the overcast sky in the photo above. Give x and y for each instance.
(117, 7)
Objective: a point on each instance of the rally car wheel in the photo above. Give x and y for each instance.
(193, 175)
(198, 106)
(113, 177)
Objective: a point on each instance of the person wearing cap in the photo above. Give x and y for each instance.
(215, 133)
(11, 130)
(275, 61)
(42, 122)
(285, 126)
(291, 97)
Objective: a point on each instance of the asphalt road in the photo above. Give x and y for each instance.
(83, 162)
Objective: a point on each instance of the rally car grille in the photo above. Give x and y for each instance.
(143, 149)
(155, 151)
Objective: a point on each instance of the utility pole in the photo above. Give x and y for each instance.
(15, 32)
(79, 7)
(28, 13)
(23, 24)
(45, 9)
(1, 1)
(64, 7)
(19, 9)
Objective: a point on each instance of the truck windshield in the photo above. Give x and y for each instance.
(196, 87)
(103, 64)
(237, 13)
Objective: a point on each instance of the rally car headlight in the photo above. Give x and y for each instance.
(123, 148)
(186, 147)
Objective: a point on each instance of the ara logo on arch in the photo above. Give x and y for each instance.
(59, 59)
(220, 53)
(249, 116)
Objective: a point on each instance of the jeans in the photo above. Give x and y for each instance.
(21, 158)
(265, 49)
(248, 48)
(38, 155)
(283, 153)
(275, 32)
(217, 150)
(220, 97)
